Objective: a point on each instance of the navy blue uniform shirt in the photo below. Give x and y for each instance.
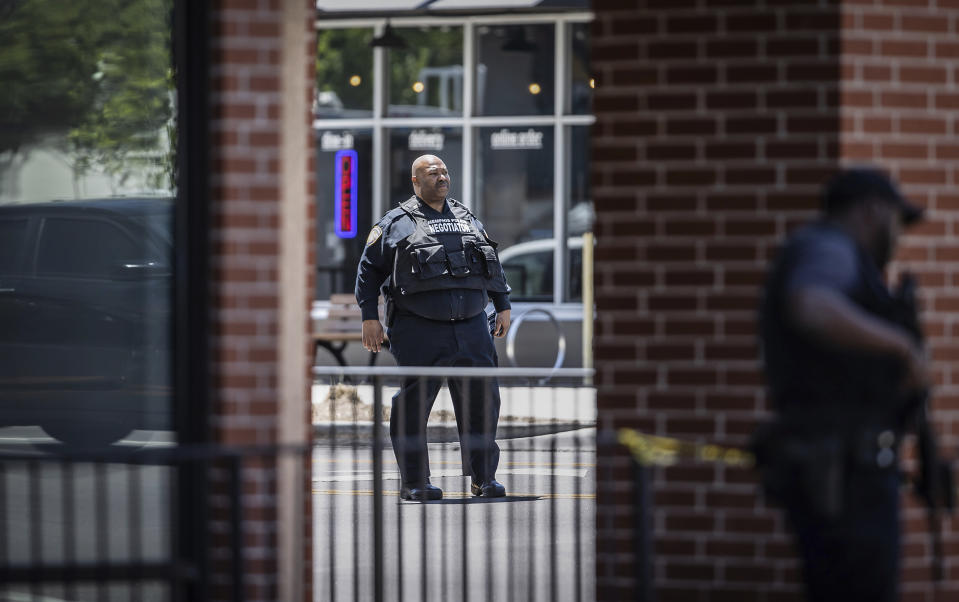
(804, 374)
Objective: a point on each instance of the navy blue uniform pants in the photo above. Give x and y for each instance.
(416, 341)
(855, 557)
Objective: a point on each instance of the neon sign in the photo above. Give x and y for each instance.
(344, 199)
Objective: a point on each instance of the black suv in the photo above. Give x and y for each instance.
(85, 317)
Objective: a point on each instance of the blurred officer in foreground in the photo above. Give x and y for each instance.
(842, 372)
(437, 269)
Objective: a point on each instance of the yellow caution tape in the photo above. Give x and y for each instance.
(651, 450)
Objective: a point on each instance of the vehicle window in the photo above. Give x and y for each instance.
(13, 234)
(159, 224)
(530, 276)
(84, 248)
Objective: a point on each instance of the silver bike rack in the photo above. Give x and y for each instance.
(560, 339)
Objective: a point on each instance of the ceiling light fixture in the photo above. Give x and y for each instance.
(388, 39)
(516, 41)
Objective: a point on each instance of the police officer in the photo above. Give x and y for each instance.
(436, 268)
(838, 368)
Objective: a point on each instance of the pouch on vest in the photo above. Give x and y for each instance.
(459, 268)
(429, 262)
(489, 260)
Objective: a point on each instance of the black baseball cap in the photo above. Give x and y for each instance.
(858, 184)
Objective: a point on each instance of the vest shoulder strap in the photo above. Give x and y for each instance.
(410, 205)
(457, 206)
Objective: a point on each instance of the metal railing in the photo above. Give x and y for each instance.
(536, 543)
(136, 523)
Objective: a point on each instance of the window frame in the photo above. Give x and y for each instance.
(560, 120)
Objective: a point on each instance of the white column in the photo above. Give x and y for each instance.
(293, 362)
(469, 92)
(560, 176)
(380, 141)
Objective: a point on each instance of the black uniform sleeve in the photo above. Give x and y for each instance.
(500, 301)
(374, 268)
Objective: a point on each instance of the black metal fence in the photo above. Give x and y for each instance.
(536, 543)
(139, 523)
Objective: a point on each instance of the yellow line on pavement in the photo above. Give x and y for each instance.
(460, 494)
(457, 462)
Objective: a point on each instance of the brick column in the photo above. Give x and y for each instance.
(900, 107)
(261, 270)
(717, 122)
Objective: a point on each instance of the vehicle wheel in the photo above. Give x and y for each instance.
(80, 434)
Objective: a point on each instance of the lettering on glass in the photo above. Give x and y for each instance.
(344, 195)
(509, 140)
(331, 141)
(422, 140)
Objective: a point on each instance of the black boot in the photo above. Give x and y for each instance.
(420, 491)
(488, 488)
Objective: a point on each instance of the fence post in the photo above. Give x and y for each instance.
(643, 541)
(377, 490)
(236, 527)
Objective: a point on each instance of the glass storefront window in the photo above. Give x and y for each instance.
(406, 144)
(426, 77)
(582, 83)
(513, 168)
(88, 169)
(515, 202)
(89, 120)
(344, 215)
(344, 74)
(516, 71)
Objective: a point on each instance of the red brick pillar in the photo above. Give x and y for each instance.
(261, 269)
(900, 107)
(717, 122)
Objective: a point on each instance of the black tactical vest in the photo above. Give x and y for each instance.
(445, 253)
(809, 380)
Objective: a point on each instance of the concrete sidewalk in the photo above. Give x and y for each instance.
(342, 414)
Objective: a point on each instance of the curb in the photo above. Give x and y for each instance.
(362, 432)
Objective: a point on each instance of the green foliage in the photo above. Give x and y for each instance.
(432, 47)
(341, 54)
(95, 73)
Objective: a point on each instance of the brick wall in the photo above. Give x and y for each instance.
(717, 121)
(247, 249)
(900, 107)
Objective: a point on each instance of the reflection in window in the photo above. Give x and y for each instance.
(516, 71)
(88, 118)
(580, 101)
(344, 74)
(13, 235)
(406, 144)
(426, 77)
(337, 255)
(515, 185)
(105, 249)
(87, 107)
(580, 215)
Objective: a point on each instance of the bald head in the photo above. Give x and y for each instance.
(431, 180)
(424, 161)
